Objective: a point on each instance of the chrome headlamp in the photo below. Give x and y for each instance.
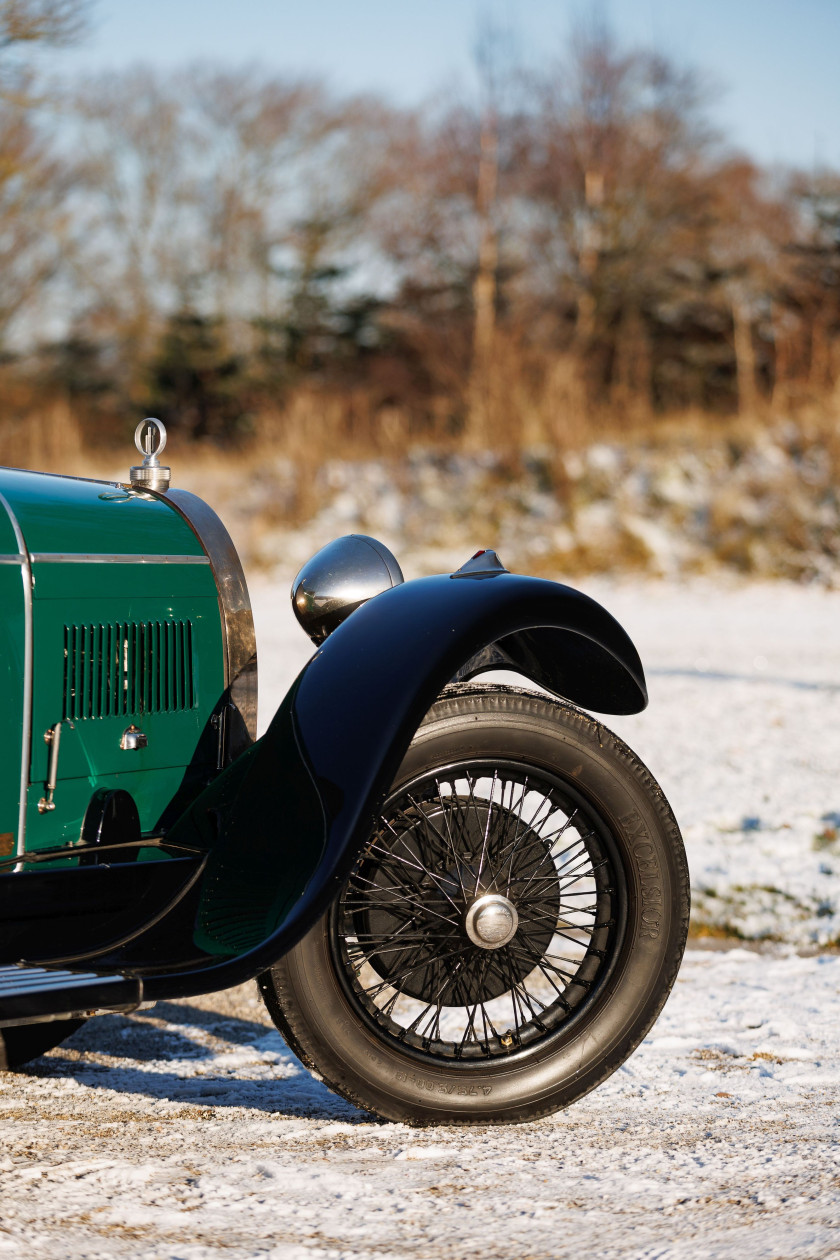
(338, 579)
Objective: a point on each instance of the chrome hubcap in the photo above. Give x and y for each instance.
(491, 921)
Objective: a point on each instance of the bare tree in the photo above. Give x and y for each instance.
(34, 180)
(227, 195)
(135, 237)
(57, 22)
(25, 24)
(252, 134)
(34, 228)
(615, 168)
(807, 327)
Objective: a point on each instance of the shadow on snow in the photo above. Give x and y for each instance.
(142, 1040)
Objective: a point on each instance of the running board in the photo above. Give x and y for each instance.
(34, 995)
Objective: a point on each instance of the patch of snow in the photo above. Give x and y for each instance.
(717, 1138)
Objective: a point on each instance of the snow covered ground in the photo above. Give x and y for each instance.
(190, 1131)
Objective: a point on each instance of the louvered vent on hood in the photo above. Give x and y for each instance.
(128, 668)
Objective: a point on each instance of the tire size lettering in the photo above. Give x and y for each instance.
(438, 1087)
(650, 877)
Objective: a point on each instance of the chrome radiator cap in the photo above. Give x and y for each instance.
(150, 439)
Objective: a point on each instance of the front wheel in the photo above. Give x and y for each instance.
(511, 931)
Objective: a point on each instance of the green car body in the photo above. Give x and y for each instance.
(125, 632)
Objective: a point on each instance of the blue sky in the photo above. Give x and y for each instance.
(775, 62)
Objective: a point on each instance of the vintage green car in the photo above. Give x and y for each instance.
(463, 902)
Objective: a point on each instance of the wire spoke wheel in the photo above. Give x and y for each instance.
(483, 913)
(510, 929)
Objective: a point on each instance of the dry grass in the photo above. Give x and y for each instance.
(762, 491)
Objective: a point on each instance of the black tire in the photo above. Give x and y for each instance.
(25, 1042)
(580, 1016)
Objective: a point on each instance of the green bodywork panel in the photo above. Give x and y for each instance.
(61, 514)
(115, 645)
(11, 684)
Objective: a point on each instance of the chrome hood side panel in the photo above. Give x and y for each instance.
(237, 619)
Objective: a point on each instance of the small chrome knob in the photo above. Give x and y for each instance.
(491, 921)
(133, 738)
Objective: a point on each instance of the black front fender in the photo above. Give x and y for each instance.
(286, 822)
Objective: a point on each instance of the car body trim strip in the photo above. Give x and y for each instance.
(108, 557)
(239, 719)
(13, 559)
(26, 733)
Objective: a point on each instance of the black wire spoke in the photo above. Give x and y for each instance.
(533, 914)
(370, 938)
(392, 982)
(415, 825)
(471, 1019)
(474, 808)
(579, 909)
(562, 829)
(449, 839)
(534, 863)
(422, 906)
(435, 1002)
(470, 1028)
(486, 1022)
(525, 832)
(566, 881)
(402, 933)
(432, 876)
(387, 1008)
(387, 856)
(364, 894)
(574, 855)
(512, 823)
(461, 820)
(529, 999)
(439, 1003)
(413, 1025)
(445, 850)
(408, 914)
(507, 968)
(571, 854)
(547, 896)
(518, 994)
(547, 956)
(444, 842)
(420, 957)
(558, 931)
(509, 817)
(546, 806)
(577, 843)
(539, 962)
(381, 951)
(483, 854)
